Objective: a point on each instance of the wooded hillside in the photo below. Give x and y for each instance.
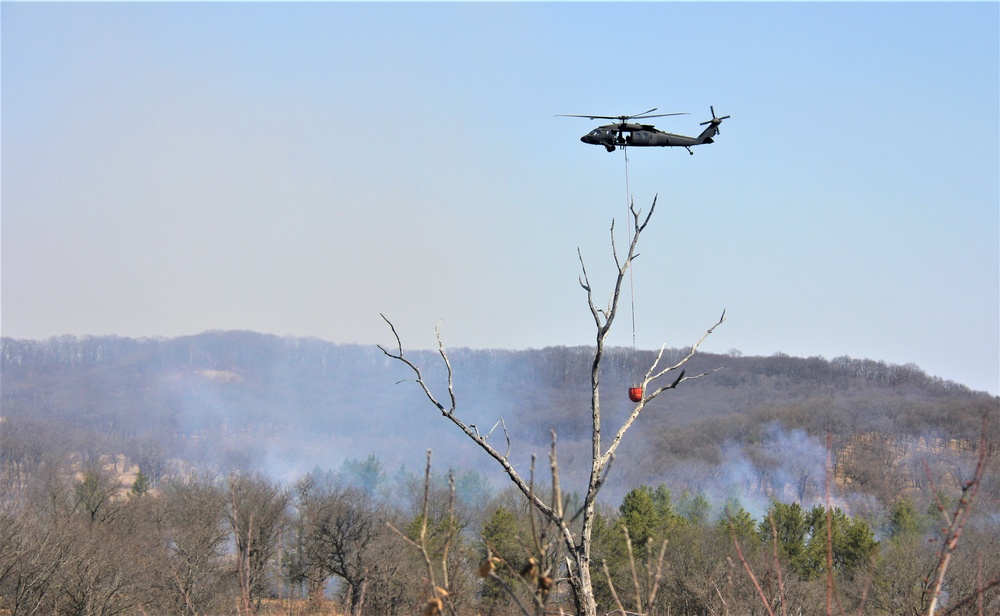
(163, 440)
(224, 400)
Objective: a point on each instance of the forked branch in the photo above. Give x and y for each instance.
(577, 543)
(398, 356)
(470, 430)
(954, 523)
(439, 598)
(652, 374)
(746, 566)
(603, 319)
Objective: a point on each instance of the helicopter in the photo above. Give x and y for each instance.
(613, 136)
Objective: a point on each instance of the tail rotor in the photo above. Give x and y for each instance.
(715, 121)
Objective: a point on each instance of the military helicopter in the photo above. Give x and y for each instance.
(612, 136)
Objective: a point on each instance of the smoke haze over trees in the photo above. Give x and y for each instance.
(282, 406)
(239, 434)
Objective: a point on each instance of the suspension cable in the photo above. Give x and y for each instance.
(628, 226)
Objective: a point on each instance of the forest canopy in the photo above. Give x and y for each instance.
(121, 443)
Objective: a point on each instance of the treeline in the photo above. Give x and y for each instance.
(281, 405)
(224, 422)
(76, 539)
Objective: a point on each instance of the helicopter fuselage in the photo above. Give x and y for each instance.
(628, 134)
(625, 133)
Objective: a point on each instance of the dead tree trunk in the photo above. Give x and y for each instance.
(577, 545)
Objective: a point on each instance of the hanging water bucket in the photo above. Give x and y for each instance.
(635, 393)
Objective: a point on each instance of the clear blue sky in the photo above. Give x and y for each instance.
(298, 168)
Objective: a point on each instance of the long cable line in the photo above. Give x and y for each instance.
(628, 226)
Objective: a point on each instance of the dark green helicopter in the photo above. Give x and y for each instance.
(626, 133)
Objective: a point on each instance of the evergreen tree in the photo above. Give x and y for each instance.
(738, 520)
(501, 535)
(639, 514)
(850, 540)
(694, 508)
(790, 523)
(367, 474)
(141, 484)
(664, 503)
(904, 519)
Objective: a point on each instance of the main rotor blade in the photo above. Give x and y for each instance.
(621, 118)
(658, 115)
(589, 117)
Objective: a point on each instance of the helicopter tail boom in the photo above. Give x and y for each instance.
(713, 127)
(707, 134)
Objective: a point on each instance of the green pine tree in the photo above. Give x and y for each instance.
(141, 484)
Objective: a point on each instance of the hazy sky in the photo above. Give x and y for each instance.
(299, 168)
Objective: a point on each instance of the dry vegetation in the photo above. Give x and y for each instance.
(134, 480)
(80, 535)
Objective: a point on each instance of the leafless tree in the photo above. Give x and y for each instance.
(336, 527)
(574, 527)
(95, 493)
(32, 556)
(954, 524)
(654, 575)
(193, 528)
(257, 513)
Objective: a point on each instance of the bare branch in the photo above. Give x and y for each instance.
(868, 582)
(777, 565)
(650, 376)
(447, 363)
(977, 595)
(721, 598)
(658, 576)
(585, 283)
(438, 597)
(506, 436)
(557, 504)
(423, 524)
(471, 432)
(830, 596)
(636, 213)
(398, 356)
(746, 567)
(631, 563)
(691, 353)
(614, 248)
(402, 535)
(545, 515)
(510, 591)
(451, 530)
(955, 523)
(531, 512)
(611, 587)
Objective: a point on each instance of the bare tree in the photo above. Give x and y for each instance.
(954, 524)
(574, 527)
(193, 531)
(336, 527)
(257, 513)
(95, 493)
(32, 557)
